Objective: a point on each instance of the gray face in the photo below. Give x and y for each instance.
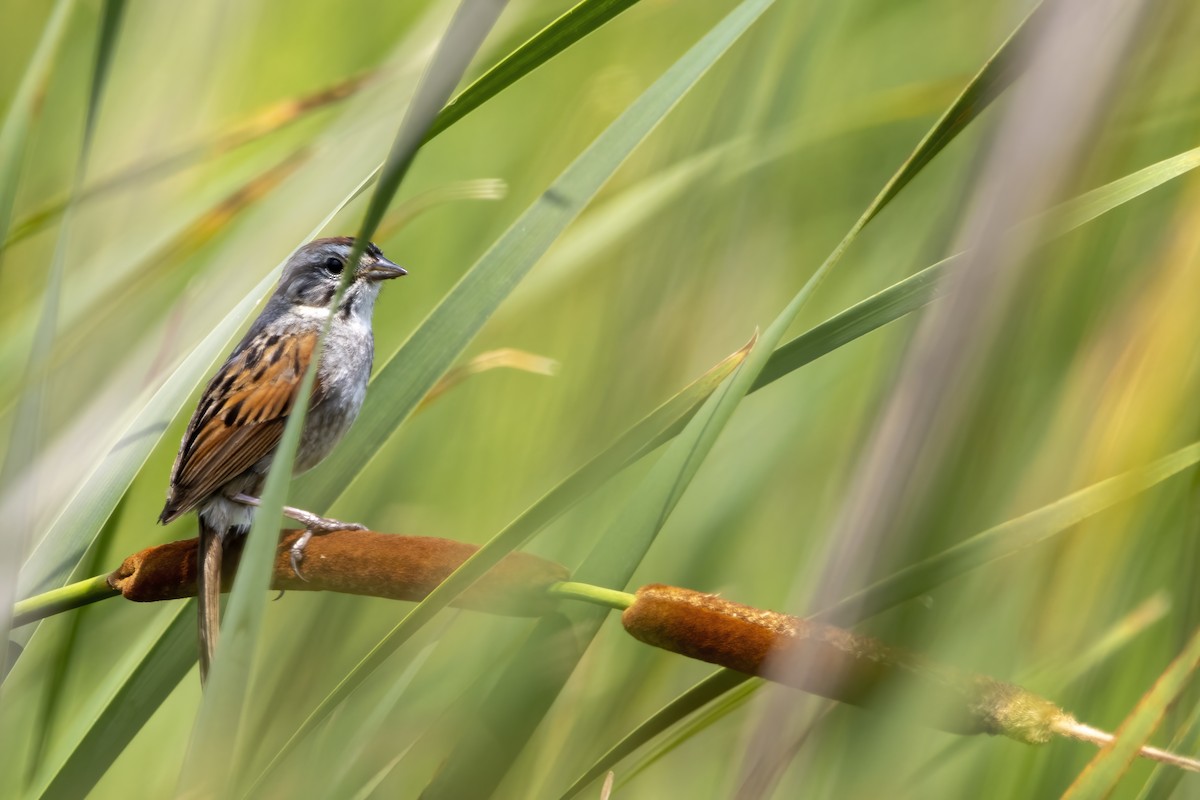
(311, 276)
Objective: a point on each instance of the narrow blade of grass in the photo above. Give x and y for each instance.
(206, 770)
(580, 21)
(65, 653)
(571, 27)
(23, 108)
(918, 290)
(723, 684)
(263, 123)
(425, 357)
(506, 358)
(626, 541)
(1006, 539)
(27, 419)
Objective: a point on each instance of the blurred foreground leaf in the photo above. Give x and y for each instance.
(1006, 539)
(219, 743)
(18, 119)
(428, 353)
(627, 539)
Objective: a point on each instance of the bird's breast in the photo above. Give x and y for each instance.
(344, 372)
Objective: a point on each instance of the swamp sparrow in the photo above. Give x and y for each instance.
(230, 442)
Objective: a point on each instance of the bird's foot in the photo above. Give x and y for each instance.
(314, 524)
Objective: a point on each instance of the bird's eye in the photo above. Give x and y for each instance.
(333, 265)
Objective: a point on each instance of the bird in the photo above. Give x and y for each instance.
(230, 442)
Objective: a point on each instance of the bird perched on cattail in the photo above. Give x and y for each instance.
(231, 440)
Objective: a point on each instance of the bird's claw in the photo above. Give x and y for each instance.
(297, 552)
(316, 525)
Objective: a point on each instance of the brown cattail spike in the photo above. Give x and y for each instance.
(357, 562)
(831, 662)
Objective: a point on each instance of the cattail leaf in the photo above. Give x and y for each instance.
(580, 21)
(17, 475)
(576, 24)
(22, 109)
(1007, 538)
(86, 511)
(614, 558)
(401, 384)
(726, 685)
(206, 769)
(916, 291)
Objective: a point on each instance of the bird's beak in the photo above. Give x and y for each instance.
(383, 270)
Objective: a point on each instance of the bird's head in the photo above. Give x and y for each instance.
(311, 276)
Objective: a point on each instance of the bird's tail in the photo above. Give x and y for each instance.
(208, 593)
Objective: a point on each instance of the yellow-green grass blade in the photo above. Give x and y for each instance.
(430, 351)
(743, 688)
(207, 768)
(917, 290)
(23, 108)
(617, 554)
(578, 22)
(27, 417)
(18, 119)
(1007, 538)
(471, 23)
(111, 300)
(64, 652)
(264, 122)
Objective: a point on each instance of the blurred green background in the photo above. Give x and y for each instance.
(697, 241)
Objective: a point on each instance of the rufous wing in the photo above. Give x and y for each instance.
(240, 417)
